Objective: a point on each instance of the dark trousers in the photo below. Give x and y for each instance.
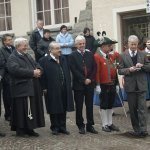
(7, 100)
(79, 97)
(107, 96)
(138, 110)
(58, 121)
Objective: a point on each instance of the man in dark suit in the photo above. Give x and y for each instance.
(134, 65)
(83, 68)
(56, 83)
(35, 37)
(5, 52)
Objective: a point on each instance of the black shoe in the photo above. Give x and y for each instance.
(144, 133)
(2, 134)
(21, 134)
(91, 130)
(64, 131)
(136, 134)
(55, 132)
(8, 118)
(112, 127)
(82, 130)
(32, 133)
(106, 128)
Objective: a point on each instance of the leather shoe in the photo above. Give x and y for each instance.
(55, 132)
(81, 130)
(2, 134)
(91, 130)
(106, 128)
(144, 133)
(32, 133)
(64, 131)
(112, 127)
(8, 118)
(136, 134)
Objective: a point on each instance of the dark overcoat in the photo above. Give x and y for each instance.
(21, 74)
(23, 84)
(51, 82)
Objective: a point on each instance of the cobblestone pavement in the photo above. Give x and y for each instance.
(75, 141)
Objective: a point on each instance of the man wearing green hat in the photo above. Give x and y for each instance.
(106, 78)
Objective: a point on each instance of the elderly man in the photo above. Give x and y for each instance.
(27, 106)
(83, 68)
(134, 65)
(56, 83)
(106, 79)
(35, 37)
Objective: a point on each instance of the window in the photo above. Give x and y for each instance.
(52, 11)
(5, 15)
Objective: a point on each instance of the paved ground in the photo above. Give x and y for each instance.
(75, 141)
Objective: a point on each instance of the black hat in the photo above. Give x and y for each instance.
(104, 41)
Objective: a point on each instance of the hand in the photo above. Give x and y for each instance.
(132, 69)
(139, 65)
(37, 73)
(117, 88)
(98, 89)
(45, 91)
(87, 81)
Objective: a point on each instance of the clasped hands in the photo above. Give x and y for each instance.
(137, 67)
(37, 73)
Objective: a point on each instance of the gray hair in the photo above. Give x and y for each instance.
(79, 38)
(19, 41)
(52, 44)
(133, 38)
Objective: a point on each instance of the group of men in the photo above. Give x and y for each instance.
(28, 80)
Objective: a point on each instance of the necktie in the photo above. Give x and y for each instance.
(133, 53)
(84, 64)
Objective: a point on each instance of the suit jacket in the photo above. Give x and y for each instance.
(134, 81)
(4, 55)
(34, 39)
(77, 69)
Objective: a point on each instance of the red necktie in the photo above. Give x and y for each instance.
(84, 64)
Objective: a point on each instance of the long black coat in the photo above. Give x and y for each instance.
(23, 84)
(51, 82)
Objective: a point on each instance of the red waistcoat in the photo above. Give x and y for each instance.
(106, 69)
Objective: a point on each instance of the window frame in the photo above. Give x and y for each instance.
(5, 17)
(53, 25)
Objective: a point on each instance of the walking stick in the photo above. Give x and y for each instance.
(121, 103)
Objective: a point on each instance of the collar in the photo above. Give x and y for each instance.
(53, 57)
(80, 51)
(130, 52)
(20, 53)
(104, 54)
(39, 29)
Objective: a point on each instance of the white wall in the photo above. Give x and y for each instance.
(20, 17)
(75, 7)
(106, 17)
